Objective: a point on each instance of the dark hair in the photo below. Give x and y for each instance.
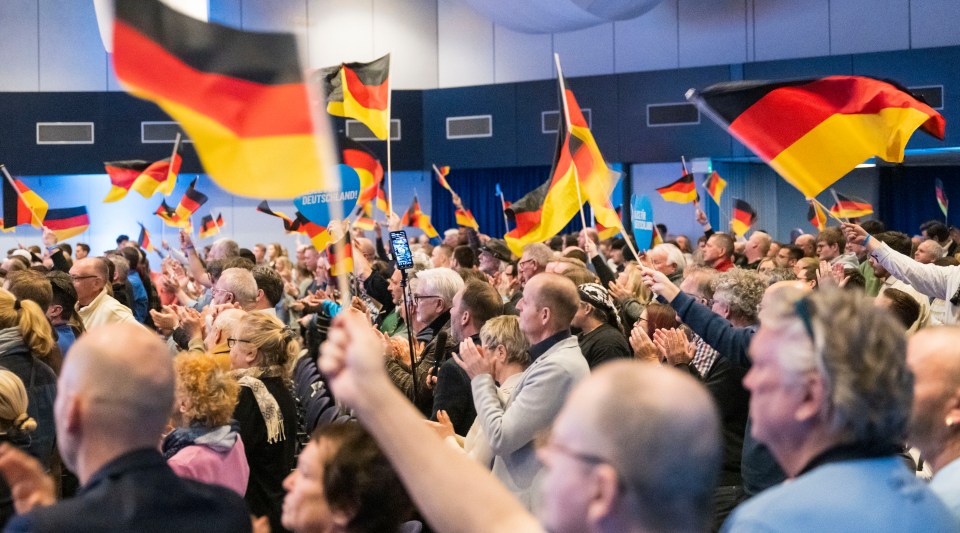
(237, 262)
(660, 316)
(269, 282)
(855, 280)
(578, 254)
(937, 231)
(67, 249)
(899, 242)
(83, 246)
(64, 294)
(465, 256)
(903, 306)
(873, 226)
(947, 261)
(359, 480)
(122, 239)
(795, 252)
(245, 253)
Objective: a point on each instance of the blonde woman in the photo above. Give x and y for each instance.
(15, 428)
(206, 444)
(261, 353)
(26, 338)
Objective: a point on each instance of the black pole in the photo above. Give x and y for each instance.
(413, 356)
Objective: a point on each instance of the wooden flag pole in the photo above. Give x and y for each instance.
(566, 118)
(837, 200)
(829, 212)
(167, 188)
(9, 179)
(683, 165)
(389, 136)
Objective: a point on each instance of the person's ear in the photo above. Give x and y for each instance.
(251, 357)
(813, 396)
(604, 493)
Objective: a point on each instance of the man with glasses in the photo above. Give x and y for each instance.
(621, 433)
(238, 286)
(533, 261)
(94, 305)
(830, 397)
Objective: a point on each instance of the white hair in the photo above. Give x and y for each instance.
(673, 254)
(442, 282)
(241, 283)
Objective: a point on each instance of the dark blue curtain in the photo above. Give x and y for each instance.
(477, 188)
(908, 198)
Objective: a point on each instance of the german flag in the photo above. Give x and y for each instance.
(597, 181)
(360, 91)
(607, 233)
(465, 219)
(191, 201)
(416, 218)
(143, 241)
(813, 132)
(442, 173)
(682, 191)
(220, 220)
(382, 203)
(851, 207)
(289, 224)
(319, 236)
(122, 175)
(368, 167)
(816, 216)
(656, 238)
(169, 215)
(504, 204)
(365, 223)
(341, 261)
(21, 205)
(715, 186)
(743, 217)
(160, 176)
(240, 96)
(941, 197)
(208, 227)
(67, 222)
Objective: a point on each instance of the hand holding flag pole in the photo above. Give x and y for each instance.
(829, 213)
(9, 178)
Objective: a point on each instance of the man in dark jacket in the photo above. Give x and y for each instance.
(116, 391)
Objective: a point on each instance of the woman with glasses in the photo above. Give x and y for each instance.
(261, 353)
(206, 444)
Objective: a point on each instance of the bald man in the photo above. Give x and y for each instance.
(933, 355)
(116, 392)
(95, 306)
(612, 445)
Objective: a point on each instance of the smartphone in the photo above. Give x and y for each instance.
(401, 249)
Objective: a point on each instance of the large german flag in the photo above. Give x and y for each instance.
(21, 205)
(816, 216)
(360, 91)
(416, 218)
(743, 217)
(606, 233)
(813, 132)
(368, 167)
(851, 207)
(597, 181)
(240, 96)
(715, 186)
(67, 222)
(682, 191)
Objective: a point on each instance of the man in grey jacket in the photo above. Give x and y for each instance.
(548, 305)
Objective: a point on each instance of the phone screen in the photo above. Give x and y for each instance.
(401, 249)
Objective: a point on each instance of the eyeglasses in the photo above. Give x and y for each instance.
(525, 262)
(232, 342)
(544, 442)
(76, 278)
(417, 298)
(216, 291)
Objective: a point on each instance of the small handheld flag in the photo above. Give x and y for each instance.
(67, 222)
(682, 191)
(942, 198)
(714, 186)
(360, 91)
(850, 206)
(816, 216)
(743, 217)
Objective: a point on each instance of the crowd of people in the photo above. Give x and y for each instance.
(708, 384)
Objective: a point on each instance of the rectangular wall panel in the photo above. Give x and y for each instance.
(858, 26)
(934, 23)
(72, 56)
(521, 56)
(499, 150)
(587, 52)
(783, 30)
(20, 53)
(340, 31)
(275, 15)
(408, 30)
(648, 42)
(712, 33)
(465, 45)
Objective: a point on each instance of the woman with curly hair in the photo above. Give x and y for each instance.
(262, 351)
(344, 483)
(15, 427)
(206, 444)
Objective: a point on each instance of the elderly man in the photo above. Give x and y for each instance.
(433, 296)
(667, 258)
(807, 243)
(718, 252)
(547, 308)
(830, 397)
(493, 255)
(238, 286)
(116, 391)
(929, 251)
(933, 356)
(533, 261)
(610, 450)
(94, 305)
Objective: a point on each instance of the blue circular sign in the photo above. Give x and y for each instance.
(316, 205)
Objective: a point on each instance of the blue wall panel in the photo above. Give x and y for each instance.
(500, 150)
(20, 53)
(72, 56)
(640, 143)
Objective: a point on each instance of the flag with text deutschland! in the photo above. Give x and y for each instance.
(289, 224)
(682, 191)
(851, 207)
(340, 256)
(813, 132)
(191, 201)
(240, 96)
(208, 227)
(816, 216)
(67, 222)
(416, 218)
(21, 205)
(359, 91)
(465, 219)
(941, 197)
(743, 217)
(143, 241)
(368, 167)
(715, 186)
